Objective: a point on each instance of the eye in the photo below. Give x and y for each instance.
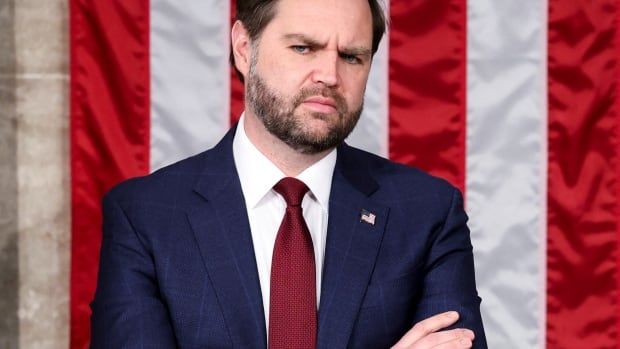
(300, 49)
(352, 59)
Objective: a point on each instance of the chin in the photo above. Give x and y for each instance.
(319, 119)
(319, 126)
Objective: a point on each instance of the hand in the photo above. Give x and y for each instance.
(425, 335)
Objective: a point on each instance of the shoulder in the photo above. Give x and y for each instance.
(178, 180)
(400, 182)
(162, 185)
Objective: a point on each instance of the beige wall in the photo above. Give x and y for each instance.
(34, 172)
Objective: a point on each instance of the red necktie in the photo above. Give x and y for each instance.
(292, 302)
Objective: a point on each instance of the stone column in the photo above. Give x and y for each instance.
(34, 174)
(9, 268)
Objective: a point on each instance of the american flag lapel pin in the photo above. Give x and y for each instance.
(368, 217)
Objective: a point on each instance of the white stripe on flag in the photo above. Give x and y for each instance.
(371, 132)
(190, 82)
(506, 164)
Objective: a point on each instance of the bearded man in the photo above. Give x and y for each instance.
(283, 236)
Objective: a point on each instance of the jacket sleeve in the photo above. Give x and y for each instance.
(127, 311)
(449, 282)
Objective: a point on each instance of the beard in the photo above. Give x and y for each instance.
(279, 117)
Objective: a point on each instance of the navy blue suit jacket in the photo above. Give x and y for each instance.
(178, 268)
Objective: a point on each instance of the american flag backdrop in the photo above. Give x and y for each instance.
(513, 101)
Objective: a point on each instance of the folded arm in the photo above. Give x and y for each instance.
(449, 286)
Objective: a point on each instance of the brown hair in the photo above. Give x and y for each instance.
(256, 14)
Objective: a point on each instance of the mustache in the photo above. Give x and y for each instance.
(305, 93)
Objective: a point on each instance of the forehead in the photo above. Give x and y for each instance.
(347, 21)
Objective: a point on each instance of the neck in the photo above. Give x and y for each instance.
(290, 161)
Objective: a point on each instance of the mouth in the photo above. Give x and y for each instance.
(321, 104)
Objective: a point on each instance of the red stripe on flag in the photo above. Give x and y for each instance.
(236, 86)
(617, 167)
(582, 196)
(427, 86)
(110, 127)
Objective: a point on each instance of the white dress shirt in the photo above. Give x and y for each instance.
(266, 207)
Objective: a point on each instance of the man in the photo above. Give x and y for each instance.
(282, 235)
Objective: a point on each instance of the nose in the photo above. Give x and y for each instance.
(326, 69)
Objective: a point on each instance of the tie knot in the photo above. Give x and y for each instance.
(292, 189)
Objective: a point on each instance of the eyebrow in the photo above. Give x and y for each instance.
(354, 51)
(303, 38)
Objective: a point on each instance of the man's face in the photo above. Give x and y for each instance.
(309, 69)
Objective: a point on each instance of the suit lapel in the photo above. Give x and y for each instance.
(351, 249)
(222, 231)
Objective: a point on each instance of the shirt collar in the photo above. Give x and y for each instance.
(318, 178)
(258, 174)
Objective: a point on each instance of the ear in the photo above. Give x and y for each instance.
(241, 47)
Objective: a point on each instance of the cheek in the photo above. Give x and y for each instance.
(282, 69)
(353, 79)
(287, 82)
(355, 93)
